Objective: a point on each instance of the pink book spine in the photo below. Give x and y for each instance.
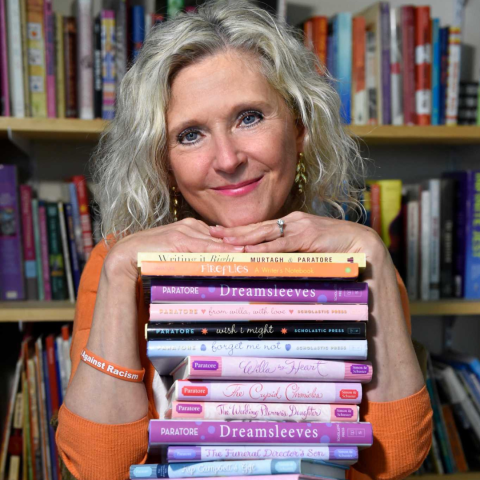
(42, 217)
(27, 223)
(256, 311)
(49, 20)
(290, 412)
(269, 392)
(5, 88)
(241, 368)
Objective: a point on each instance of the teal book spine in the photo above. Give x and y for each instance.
(57, 269)
(343, 60)
(38, 249)
(435, 71)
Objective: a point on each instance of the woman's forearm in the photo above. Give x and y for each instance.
(92, 394)
(396, 373)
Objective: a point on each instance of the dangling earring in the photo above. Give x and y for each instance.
(301, 176)
(174, 203)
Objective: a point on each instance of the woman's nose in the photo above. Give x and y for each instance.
(228, 154)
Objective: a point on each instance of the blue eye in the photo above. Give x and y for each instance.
(188, 137)
(249, 119)
(191, 136)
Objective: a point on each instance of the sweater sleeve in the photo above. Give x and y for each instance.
(402, 430)
(94, 451)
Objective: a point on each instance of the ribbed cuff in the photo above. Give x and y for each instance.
(94, 451)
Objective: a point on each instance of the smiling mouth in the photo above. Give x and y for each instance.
(236, 186)
(237, 189)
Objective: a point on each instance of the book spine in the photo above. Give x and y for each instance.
(408, 51)
(11, 271)
(385, 63)
(66, 253)
(42, 221)
(4, 73)
(82, 199)
(454, 439)
(344, 64)
(396, 67)
(15, 58)
(359, 92)
(77, 223)
(423, 105)
(59, 66)
(425, 246)
(70, 60)
(371, 78)
(447, 198)
(121, 41)
(358, 258)
(274, 412)
(38, 249)
(57, 268)
(138, 29)
(49, 19)
(308, 41)
(159, 351)
(413, 242)
(178, 432)
(108, 64)
(85, 59)
(36, 58)
(36, 455)
(97, 67)
(436, 60)
(320, 33)
(28, 238)
(256, 330)
(472, 256)
(334, 454)
(25, 77)
(444, 35)
(248, 269)
(72, 247)
(285, 369)
(434, 188)
(244, 312)
(165, 291)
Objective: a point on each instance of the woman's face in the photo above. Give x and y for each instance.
(233, 143)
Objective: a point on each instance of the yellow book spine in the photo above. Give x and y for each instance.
(60, 65)
(36, 58)
(358, 258)
(390, 205)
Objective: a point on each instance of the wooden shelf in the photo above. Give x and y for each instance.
(89, 130)
(60, 311)
(55, 311)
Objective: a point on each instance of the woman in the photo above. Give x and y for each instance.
(223, 108)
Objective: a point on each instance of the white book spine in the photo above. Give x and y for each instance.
(413, 237)
(396, 67)
(425, 246)
(15, 58)
(66, 253)
(434, 188)
(85, 59)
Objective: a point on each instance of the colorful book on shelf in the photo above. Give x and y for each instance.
(72, 246)
(249, 269)
(278, 412)
(38, 248)
(56, 259)
(423, 66)
(70, 61)
(472, 249)
(42, 221)
(166, 355)
(50, 71)
(82, 200)
(447, 233)
(266, 392)
(255, 330)
(108, 64)
(396, 66)
(66, 253)
(59, 66)
(320, 26)
(184, 432)
(28, 238)
(242, 468)
(359, 92)
(11, 266)
(199, 291)
(278, 369)
(138, 29)
(436, 64)
(4, 80)
(408, 63)
(342, 455)
(256, 311)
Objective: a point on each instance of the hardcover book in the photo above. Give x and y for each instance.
(278, 412)
(279, 369)
(165, 355)
(196, 291)
(256, 311)
(256, 330)
(184, 432)
(266, 392)
(344, 455)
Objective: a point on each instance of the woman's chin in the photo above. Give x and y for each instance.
(240, 218)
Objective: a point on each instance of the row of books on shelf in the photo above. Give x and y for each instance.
(431, 230)
(453, 382)
(395, 66)
(28, 448)
(44, 243)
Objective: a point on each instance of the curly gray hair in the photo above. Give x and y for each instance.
(130, 165)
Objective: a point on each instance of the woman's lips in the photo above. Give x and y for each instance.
(238, 189)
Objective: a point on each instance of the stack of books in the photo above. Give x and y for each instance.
(267, 354)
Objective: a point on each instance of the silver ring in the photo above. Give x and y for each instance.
(281, 225)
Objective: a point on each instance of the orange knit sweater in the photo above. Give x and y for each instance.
(92, 451)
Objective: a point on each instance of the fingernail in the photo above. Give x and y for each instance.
(238, 249)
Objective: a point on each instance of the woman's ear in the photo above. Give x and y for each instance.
(300, 137)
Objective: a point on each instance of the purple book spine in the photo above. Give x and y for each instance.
(257, 291)
(386, 76)
(11, 265)
(49, 19)
(179, 432)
